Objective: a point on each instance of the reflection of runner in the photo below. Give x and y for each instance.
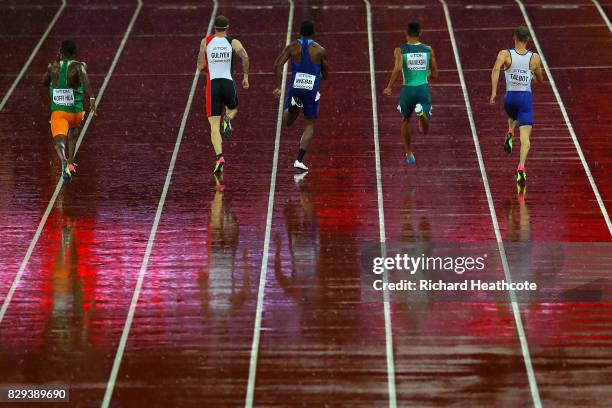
(520, 65)
(72, 292)
(417, 64)
(218, 280)
(216, 55)
(303, 241)
(308, 67)
(67, 79)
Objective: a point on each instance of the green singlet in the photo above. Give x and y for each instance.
(64, 98)
(416, 59)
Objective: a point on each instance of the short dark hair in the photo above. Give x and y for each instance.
(521, 34)
(307, 28)
(68, 48)
(221, 23)
(413, 29)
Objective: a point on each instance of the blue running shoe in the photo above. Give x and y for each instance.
(411, 159)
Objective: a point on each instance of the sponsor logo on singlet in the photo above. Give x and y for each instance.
(304, 81)
(416, 61)
(63, 97)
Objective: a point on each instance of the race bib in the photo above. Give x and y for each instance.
(519, 77)
(304, 81)
(63, 97)
(416, 61)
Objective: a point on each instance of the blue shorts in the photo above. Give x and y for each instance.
(310, 100)
(519, 107)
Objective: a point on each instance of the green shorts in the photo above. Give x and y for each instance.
(410, 96)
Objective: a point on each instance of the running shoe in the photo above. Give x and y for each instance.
(219, 165)
(508, 143)
(297, 102)
(521, 177)
(66, 174)
(418, 109)
(227, 127)
(296, 105)
(299, 165)
(411, 159)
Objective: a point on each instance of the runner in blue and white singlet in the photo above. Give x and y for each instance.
(521, 67)
(308, 67)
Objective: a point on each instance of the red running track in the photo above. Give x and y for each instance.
(321, 343)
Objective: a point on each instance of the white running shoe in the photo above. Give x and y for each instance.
(297, 102)
(418, 109)
(299, 165)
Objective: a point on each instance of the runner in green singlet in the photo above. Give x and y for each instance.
(416, 63)
(67, 81)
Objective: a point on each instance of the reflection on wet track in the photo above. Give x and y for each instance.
(322, 339)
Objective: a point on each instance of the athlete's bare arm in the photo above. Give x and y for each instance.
(47, 76)
(503, 60)
(241, 51)
(433, 67)
(397, 69)
(323, 62)
(81, 71)
(279, 63)
(536, 68)
(202, 56)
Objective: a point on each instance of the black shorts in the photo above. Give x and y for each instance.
(220, 92)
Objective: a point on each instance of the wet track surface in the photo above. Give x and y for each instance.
(321, 342)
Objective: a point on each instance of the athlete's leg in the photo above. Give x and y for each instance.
(59, 131)
(229, 98)
(511, 125)
(525, 123)
(73, 135)
(422, 96)
(310, 103)
(60, 147)
(291, 109)
(289, 117)
(405, 128)
(511, 105)
(423, 121)
(525, 132)
(231, 113)
(307, 135)
(215, 134)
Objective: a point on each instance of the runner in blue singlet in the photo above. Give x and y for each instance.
(308, 67)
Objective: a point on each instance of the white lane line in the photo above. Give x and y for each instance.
(381, 215)
(587, 170)
(533, 385)
(110, 386)
(32, 55)
(603, 14)
(60, 182)
(250, 391)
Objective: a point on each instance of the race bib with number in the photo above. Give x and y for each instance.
(416, 61)
(304, 81)
(63, 97)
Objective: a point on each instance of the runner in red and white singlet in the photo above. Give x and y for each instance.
(216, 54)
